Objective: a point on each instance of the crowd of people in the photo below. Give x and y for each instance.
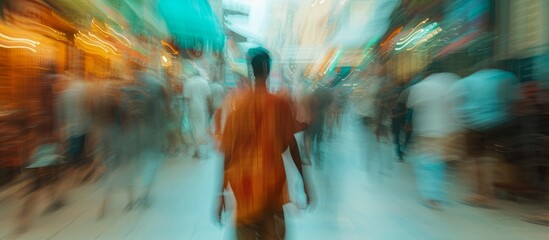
(123, 131)
(115, 131)
(439, 119)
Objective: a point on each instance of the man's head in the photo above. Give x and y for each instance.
(260, 62)
(436, 66)
(51, 68)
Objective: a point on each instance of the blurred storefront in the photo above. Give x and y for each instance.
(460, 32)
(523, 36)
(35, 42)
(398, 47)
(87, 40)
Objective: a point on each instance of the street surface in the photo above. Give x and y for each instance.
(348, 204)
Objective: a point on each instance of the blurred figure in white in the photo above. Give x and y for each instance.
(218, 93)
(197, 94)
(433, 122)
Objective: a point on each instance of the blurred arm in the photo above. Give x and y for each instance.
(294, 151)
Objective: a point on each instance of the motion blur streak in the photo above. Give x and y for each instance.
(274, 119)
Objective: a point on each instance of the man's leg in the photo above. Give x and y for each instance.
(431, 176)
(108, 181)
(367, 121)
(431, 170)
(480, 174)
(396, 127)
(317, 149)
(273, 227)
(371, 145)
(308, 142)
(246, 232)
(339, 114)
(329, 122)
(28, 201)
(407, 139)
(151, 161)
(59, 187)
(71, 175)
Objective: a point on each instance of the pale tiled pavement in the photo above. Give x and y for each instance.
(349, 204)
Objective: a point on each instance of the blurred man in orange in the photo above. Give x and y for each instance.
(259, 128)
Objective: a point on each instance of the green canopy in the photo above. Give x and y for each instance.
(192, 23)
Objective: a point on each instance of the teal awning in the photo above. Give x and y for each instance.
(192, 22)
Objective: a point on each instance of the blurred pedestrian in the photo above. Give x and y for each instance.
(257, 131)
(398, 118)
(385, 102)
(197, 94)
(300, 95)
(45, 160)
(406, 121)
(336, 110)
(75, 123)
(154, 140)
(218, 93)
(485, 106)
(318, 102)
(120, 112)
(434, 123)
(373, 115)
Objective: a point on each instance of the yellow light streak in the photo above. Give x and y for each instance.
(91, 44)
(426, 38)
(99, 39)
(413, 30)
(97, 25)
(53, 30)
(21, 40)
(96, 42)
(415, 37)
(17, 47)
(117, 22)
(110, 34)
(118, 34)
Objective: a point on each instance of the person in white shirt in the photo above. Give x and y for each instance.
(197, 93)
(433, 123)
(218, 93)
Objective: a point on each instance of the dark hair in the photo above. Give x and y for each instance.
(436, 66)
(260, 61)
